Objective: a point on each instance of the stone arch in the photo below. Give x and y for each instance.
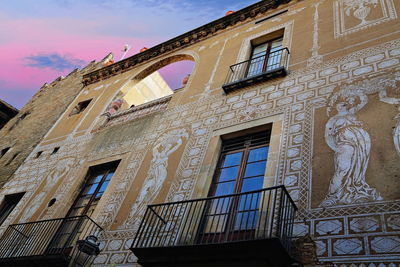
(123, 98)
(162, 63)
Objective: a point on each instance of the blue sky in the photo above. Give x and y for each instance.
(43, 39)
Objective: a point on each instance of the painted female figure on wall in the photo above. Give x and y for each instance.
(396, 130)
(166, 145)
(157, 174)
(345, 135)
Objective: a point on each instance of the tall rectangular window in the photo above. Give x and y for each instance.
(240, 169)
(96, 183)
(265, 57)
(9, 203)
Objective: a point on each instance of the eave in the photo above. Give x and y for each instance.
(184, 40)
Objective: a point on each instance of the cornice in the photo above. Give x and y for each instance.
(183, 40)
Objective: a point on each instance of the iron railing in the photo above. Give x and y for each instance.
(46, 238)
(258, 66)
(260, 214)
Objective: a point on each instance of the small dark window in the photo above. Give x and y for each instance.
(9, 203)
(51, 202)
(23, 116)
(13, 157)
(55, 150)
(80, 107)
(4, 151)
(39, 154)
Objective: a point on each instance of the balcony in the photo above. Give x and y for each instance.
(247, 229)
(58, 242)
(258, 69)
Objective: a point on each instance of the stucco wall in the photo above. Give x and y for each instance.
(331, 53)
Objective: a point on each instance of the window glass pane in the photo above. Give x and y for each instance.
(219, 205)
(246, 220)
(258, 154)
(276, 44)
(96, 179)
(256, 66)
(228, 174)
(83, 201)
(89, 190)
(251, 184)
(215, 224)
(255, 169)
(109, 175)
(259, 50)
(103, 186)
(225, 188)
(232, 159)
(249, 201)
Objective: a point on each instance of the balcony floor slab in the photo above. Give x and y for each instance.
(266, 252)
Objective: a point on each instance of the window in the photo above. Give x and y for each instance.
(80, 107)
(38, 154)
(265, 57)
(9, 203)
(96, 183)
(4, 151)
(23, 116)
(240, 169)
(55, 150)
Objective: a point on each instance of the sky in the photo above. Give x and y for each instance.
(43, 39)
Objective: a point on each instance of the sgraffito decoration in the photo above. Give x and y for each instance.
(354, 15)
(158, 171)
(347, 137)
(51, 180)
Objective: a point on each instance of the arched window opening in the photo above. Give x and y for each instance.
(135, 92)
(158, 80)
(177, 74)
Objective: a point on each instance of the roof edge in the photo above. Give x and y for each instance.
(183, 40)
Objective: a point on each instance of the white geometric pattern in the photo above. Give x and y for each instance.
(386, 244)
(364, 224)
(393, 222)
(329, 227)
(347, 246)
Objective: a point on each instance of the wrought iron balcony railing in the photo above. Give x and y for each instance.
(258, 69)
(260, 214)
(55, 242)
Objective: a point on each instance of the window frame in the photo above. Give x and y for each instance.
(8, 205)
(266, 54)
(104, 169)
(233, 208)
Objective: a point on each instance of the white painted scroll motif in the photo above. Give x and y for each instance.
(165, 146)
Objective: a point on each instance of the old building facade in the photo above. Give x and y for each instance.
(25, 129)
(7, 112)
(311, 88)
